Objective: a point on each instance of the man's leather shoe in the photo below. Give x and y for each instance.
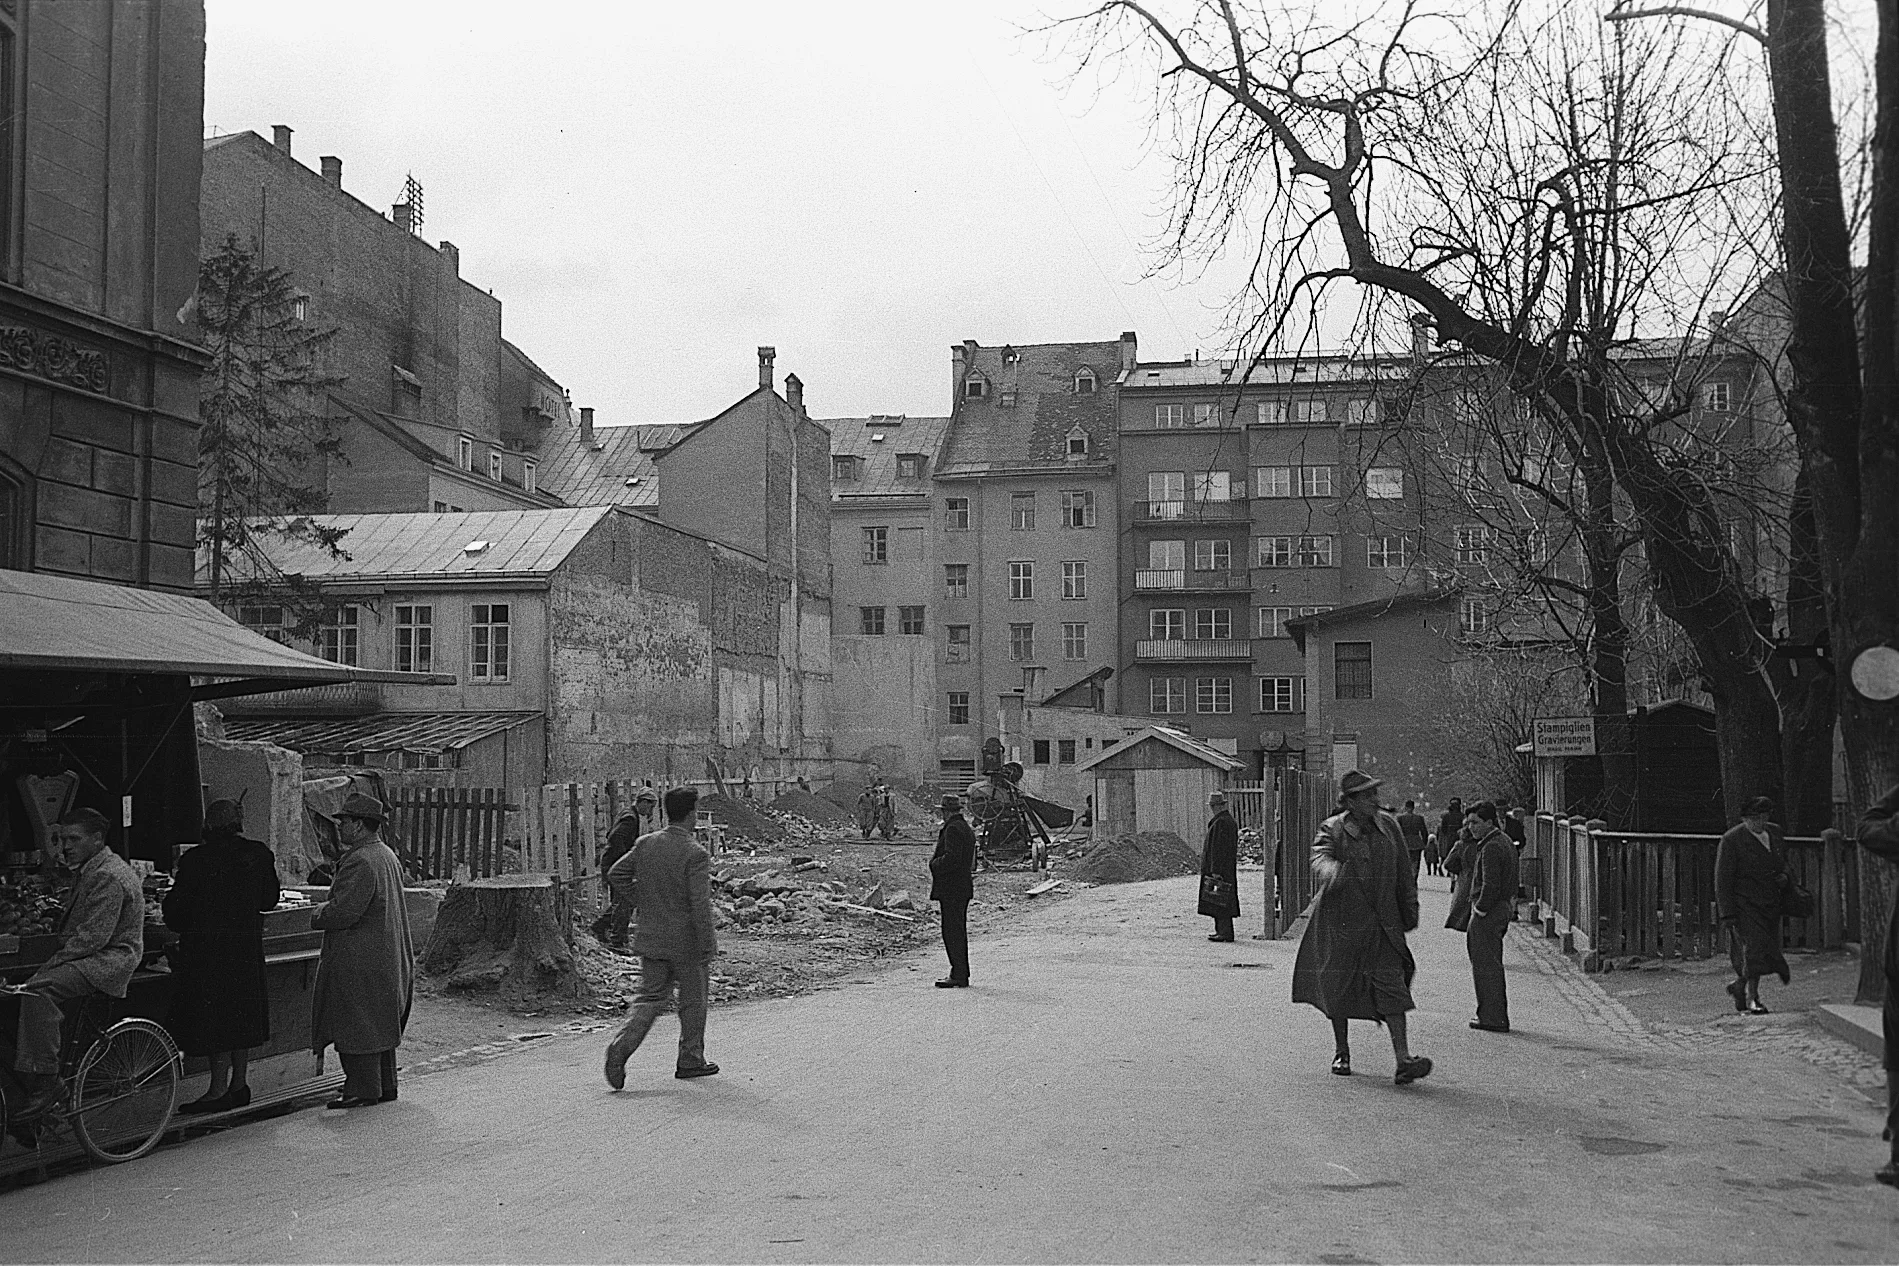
(389, 1096)
(351, 1101)
(1413, 1069)
(707, 1069)
(950, 982)
(1489, 1028)
(1888, 1174)
(1219, 938)
(232, 1099)
(616, 1063)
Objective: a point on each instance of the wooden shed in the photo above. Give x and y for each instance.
(1158, 779)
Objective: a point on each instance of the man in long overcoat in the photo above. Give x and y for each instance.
(1220, 860)
(366, 977)
(1879, 835)
(1492, 900)
(953, 886)
(1353, 962)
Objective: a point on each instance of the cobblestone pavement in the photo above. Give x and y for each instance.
(1786, 1033)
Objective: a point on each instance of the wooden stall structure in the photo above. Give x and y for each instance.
(1158, 779)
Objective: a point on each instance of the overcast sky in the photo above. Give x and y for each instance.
(653, 190)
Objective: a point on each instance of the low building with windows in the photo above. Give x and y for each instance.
(587, 643)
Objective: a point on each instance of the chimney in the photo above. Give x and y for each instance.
(586, 424)
(332, 169)
(1421, 327)
(280, 137)
(453, 254)
(794, 393)
(404, 216)
(1128, 344)
(766, 355)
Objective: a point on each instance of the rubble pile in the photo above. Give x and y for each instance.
(772, 898)
(741, 820)
(813, 809)
(1133, 858)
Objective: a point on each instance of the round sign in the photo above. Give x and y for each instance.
(1876, 673)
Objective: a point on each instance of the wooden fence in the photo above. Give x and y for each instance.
(1286, 810)
(1613, 894)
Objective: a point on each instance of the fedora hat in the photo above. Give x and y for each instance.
(951, 804)
(365, 807)
(1355, 782)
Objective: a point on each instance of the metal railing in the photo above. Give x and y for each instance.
(1233, 510)
(1182, 579)
(1228, 648)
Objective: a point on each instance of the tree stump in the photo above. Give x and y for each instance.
(506, 933)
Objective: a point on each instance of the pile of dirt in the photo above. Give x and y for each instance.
(813, 808)
(1131, 859)
(844, 792)
(739, 819)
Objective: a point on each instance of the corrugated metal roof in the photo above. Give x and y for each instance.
(518, 542)
(384, 732)
(1039, 379)
(598, 476)
(877, 458)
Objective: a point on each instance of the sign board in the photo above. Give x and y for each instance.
(1565, 736)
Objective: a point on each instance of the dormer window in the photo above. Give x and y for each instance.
(300, 308)
(1085, 383)
(975, 387)
(528, 480)
(1010, 356)
(465, 452)
(844, 468)
(909, 465)
(1008, 400)
(1077, 443)
(494, 464)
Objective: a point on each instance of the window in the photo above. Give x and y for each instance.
(876, 545)
(910, 621)
(488, 641)
(1351, 666)
(1167, 695)
(1473, 543)
(1315, 481)
(1021, 580)
(1021, 642)
(1206, 415)
(1467, 470)
(909, 466)
(956, 580)
(415, 639)
(1075, 641)
(1213, 694)
(1312, 551)
(441, 507)
(1078, 443)
(1280, 694)
(494, 464)
(1213, 623)
(265, 620)
(1272, 551)
(1167, 624)
(1270, 413)
(956, 514)
(1384, 483)
(1212, 555)
(844, 468)
(1211, 485)
(530, 478)
(1361, 412)
(959, 707)
(1393, 550)
(1074, 579)
(1039, 752)
(870, 621)
(1271, 621)
(1078, 509)
(975, 387)
(336, 639)
(1308, 413)
(1166, 490)
(1064, 751)
(1472, 618)
(1085, 382)
(1719, 397)
(465, 452)
(1022, 512)
(1170, 417)
(1272, 481)
(1166, 555)
(956, 648)
(1007, 398)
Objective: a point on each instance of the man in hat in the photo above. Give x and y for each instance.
(610, 927)
(1353, 962)
(952, 885)
(365, 979)
(1879, 835)
(1220, 862)
(101, 939)
(1492, 901)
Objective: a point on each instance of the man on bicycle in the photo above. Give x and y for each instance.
(102, 939)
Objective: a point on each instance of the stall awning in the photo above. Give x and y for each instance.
(54, 623)
(384, 732)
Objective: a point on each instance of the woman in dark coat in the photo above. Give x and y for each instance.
(1220, 859)
(1449, 823)
(220, 1006)
(1750, 870)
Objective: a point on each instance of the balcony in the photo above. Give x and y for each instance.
(1217, 648)
(344, 699)
(1182, 581)
(1234, 511)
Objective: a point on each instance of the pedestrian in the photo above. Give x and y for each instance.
(610, 927)
(952, 885)
(1411, 824)
(1750, 870)
(365, 981)
(1220, 868)
(1491, 865)
(1879, 835)
(1449, 824)
(1353, 963)
(867, 810)
(666, 877)
(220, 1005)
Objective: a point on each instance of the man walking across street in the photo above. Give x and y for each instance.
(1220, 869)
(1879, 835)
(610, 927)
(1492, 863)
(952, 885)
(666, 877)
(365, 978)
(1411, 824)
(1353, 962)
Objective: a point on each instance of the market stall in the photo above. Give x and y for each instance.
(97, 685)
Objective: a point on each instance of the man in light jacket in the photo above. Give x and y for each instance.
(666, 878)
(365, 982)
(1492, 859)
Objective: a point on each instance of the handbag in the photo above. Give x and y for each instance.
(1795, 901)
(1217, 889)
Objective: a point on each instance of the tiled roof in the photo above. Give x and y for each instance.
(1277, 372)
(1404, 600)
(384, 732)
(875, 441)
(598, 475)
(986, 434)
(388, 545)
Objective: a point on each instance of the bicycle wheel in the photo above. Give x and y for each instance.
(125, 1091)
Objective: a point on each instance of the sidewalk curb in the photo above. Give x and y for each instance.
(1853, 1023)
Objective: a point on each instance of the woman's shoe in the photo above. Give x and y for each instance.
(1342, 1065)
(1738, 992)
(233, 1098)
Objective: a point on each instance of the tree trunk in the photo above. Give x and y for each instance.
(1805, 686)
(1608, 645)
(507, 933)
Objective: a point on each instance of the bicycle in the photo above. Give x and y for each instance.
(120, 1085)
